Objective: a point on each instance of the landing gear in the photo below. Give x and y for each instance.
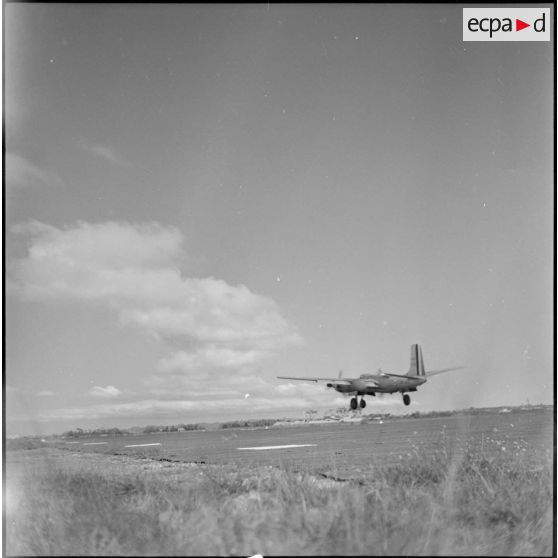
(355, 404)
(406, 399)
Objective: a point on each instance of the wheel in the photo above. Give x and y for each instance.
(362, 403)
(353, 403)
(407, 399)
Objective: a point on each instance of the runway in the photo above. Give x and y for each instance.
(341, 446)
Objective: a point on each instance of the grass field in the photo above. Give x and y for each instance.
(475, 501)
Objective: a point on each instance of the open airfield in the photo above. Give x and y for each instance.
(345, 445)
(470, 484)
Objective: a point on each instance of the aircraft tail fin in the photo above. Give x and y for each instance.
(417, 365)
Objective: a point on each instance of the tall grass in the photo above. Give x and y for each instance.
(467, 503)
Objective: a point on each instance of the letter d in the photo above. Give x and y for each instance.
(540, 20)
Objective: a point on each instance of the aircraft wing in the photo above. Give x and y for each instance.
(336, 380)
(436, 372)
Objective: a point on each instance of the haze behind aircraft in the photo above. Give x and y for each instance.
(382, 382)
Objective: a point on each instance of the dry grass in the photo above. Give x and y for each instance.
(472, 503)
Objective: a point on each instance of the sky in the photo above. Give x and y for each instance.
(200, 198)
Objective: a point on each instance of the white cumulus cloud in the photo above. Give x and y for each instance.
(135, 269)
(210, 356)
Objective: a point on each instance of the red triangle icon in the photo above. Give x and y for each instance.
(519, 25)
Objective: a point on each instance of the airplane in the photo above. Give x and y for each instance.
(382, 382)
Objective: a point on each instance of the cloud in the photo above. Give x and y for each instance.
(44, 393)
(104, 152)
(105, 392)
(210, 356)
(135, 269)
(103, 246)
(21, 173)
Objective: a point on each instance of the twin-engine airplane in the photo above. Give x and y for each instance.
(382, 382)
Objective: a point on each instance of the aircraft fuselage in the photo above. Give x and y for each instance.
(370, 384)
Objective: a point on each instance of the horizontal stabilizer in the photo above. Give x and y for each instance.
(436, 372)
(395, 375)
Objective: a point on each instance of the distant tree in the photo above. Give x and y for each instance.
(150, 429)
